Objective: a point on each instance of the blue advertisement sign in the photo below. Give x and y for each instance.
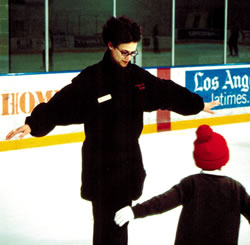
(228, 86)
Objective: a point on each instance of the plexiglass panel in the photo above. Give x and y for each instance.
(74, 34)
(76, 27)
(238, 31)
(199, 32)
(155, 19)
(26, 35)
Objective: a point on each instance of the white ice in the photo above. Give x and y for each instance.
(40, 189)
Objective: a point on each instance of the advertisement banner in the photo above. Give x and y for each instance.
(21, 93)
(229, 86)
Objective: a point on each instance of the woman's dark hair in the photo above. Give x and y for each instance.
(120, 30)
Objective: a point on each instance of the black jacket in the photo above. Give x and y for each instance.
(112, 159)
(212, 206)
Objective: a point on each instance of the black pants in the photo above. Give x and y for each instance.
(106, 232)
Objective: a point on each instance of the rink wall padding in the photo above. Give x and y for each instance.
(229, 84)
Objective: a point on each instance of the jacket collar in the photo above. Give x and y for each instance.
(214, 172)
(111, 65)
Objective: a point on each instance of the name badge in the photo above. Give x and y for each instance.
(104, 98)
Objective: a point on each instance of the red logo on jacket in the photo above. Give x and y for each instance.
(140, 86)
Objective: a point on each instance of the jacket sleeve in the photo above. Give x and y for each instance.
(68, 106)
(178, 195)
(168, 95)
(245, 204)
(158, 204)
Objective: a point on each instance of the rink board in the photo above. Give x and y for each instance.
(229, 84)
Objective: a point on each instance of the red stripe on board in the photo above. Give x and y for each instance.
(163, 117)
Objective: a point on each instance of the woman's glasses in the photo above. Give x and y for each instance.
(126, 53)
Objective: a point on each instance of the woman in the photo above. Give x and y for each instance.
(109, 98)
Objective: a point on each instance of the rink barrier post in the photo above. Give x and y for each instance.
(163, 117)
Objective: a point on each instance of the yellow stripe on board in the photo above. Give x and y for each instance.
(213, 121)
(9, 145)
(25, 143)
(149, 129)
(18, 144)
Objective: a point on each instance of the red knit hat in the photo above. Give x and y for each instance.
(210, 149)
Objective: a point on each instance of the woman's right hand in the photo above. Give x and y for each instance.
(23, 130)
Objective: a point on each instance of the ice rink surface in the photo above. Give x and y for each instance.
(40, 189)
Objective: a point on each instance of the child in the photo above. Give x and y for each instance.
(212, 203)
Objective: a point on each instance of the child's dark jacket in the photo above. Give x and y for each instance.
(211, 211)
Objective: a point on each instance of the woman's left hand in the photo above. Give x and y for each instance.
(209, 106)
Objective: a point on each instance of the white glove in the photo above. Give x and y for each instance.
(124, 215)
